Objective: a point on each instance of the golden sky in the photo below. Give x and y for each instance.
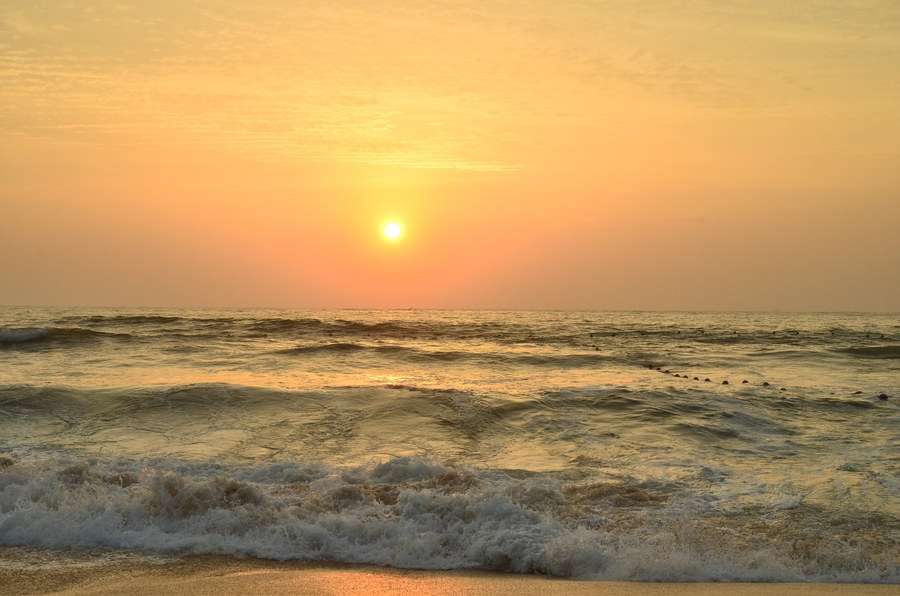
(546, 154)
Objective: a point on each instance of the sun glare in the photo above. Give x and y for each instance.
(392, 230)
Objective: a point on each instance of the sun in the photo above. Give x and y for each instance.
(392, 230)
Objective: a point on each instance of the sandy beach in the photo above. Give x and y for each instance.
(221, 576)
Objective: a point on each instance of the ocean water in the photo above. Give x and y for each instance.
(592, 445)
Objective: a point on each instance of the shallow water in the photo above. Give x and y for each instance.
(575, 444)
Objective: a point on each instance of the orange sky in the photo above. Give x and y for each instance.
(614, 155)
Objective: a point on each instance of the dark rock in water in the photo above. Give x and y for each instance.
(667, 371)
(696, 378)
(765, 383)
(882, 396)
(724, 382)
(744, 382)
(659, 369)
(707, 380)
(783, 389)
(857, 393)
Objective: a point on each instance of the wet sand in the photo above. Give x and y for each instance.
(223, 576)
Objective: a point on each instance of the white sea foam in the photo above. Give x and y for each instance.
(405, 512)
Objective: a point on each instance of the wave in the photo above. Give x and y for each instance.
(736, 414)
(132, 319)
(417, 513)
(542, 330)
(877, 352)
(82, 402)
(394, 352)
(275, 422)
(420, 355)
(60, 336)
(14, 336)
(285, 325)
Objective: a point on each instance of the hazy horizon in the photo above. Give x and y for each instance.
(435, 309)
(539, 156)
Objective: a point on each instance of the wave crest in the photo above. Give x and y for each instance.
(53, 336)
(877, 352)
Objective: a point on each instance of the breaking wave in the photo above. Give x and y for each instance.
(413, 513)
(53, 336)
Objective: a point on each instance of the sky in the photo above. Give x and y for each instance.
(623, 155)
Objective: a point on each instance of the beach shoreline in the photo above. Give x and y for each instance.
(225, 575)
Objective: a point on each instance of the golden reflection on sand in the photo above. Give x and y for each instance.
(225, 576)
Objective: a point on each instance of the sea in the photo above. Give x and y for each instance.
(643, 446)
